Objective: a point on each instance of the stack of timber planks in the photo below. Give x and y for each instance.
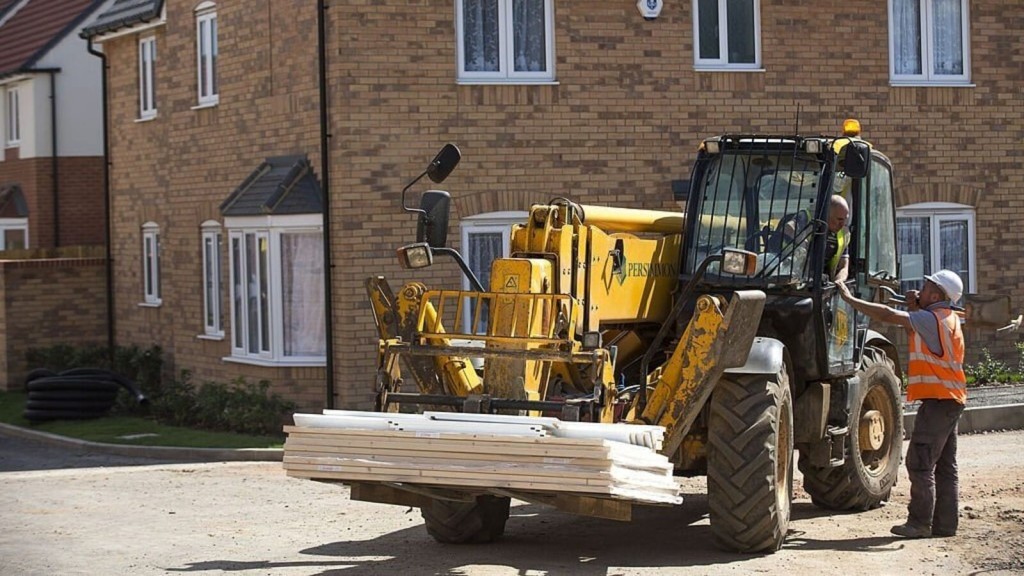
(481, 451)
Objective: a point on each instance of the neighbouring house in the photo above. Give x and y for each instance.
(253, 151)
(52, 214)
(51, 168)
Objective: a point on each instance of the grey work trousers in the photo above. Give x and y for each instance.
(931, 465)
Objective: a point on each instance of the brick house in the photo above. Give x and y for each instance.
(218, 153)
(51, 167)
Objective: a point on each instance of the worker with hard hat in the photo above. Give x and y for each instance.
(935, 377)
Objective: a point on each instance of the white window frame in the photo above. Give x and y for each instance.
(506, 73)
(206, 64)
(151, 264)
(270, 229)
(500, 222)
(928, 76)
(9, 224)
(213, 326)
(12, 117)
(722, 62)
(147, 64)
(940, 212)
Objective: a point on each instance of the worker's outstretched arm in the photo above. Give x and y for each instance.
(873, 310)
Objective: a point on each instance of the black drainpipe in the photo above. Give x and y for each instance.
(106, 201)
(325, 186)
(55, 159)
(54, 169)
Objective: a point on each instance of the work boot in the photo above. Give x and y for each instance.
(908, 530)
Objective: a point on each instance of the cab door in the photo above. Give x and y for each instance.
(876, 272)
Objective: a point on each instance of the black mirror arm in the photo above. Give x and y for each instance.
(406, 189)
(474, 282)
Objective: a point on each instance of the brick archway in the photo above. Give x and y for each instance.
(950, 193)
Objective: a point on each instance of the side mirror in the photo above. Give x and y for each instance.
(857, 157)
(680, 190)
(432, 224)
(443, 164)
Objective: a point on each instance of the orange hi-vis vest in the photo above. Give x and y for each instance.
(940, 377)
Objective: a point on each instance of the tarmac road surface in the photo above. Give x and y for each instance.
(64, 513)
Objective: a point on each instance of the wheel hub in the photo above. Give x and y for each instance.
(872, 430)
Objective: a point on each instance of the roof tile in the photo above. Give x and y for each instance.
(34, 28)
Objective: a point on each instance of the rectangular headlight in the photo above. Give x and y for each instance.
(812, 146)
(416, 255)
(712, 146)
(738, 262)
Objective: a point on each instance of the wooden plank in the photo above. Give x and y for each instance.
(566, 478)
(445, 445)
(477, 444)
(461, 437)
(614, 472)
(652, 498)
(314, 450)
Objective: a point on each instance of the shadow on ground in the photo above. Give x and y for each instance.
(656, 538)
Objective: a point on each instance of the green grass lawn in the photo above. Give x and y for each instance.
(111, 429)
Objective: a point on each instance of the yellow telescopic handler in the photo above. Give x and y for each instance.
(721, 324)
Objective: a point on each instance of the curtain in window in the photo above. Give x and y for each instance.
(954, 247)
(302, 287)
(480, 35)
(484, 248)
(707, 22)
(906, 23)
(529, 33)
(914, 240)
(947, 35)
(740, 22)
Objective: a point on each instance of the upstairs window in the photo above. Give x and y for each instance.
(929, 41)
(727, 34)
(206, 51)
(505, 40)
(147, 89)
(12, 118)
(933, 236)
(151, 264)
(211, 236)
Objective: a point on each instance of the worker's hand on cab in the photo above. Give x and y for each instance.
(844, 291)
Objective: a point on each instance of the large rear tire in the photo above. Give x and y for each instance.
(477, 522)
(750, 461)
(873, 445)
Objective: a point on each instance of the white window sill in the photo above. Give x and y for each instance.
(926, 84)
(211, 337)
(275, 363)
(156, 304)
(504, 82)
(725, 69)
(147, 118)
(204, 105)
(14, 144)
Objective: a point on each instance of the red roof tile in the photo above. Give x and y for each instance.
(34, 28)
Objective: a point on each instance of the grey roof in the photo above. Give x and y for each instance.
(280, 185)
(12, 202)
(124, 13)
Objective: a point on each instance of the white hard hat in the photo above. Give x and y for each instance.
(950, 284)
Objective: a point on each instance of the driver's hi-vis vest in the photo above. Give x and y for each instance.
(842, 239)
(940, 377)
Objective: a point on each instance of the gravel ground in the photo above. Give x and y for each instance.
(139, 518)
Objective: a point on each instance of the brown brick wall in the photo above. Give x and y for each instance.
(622, 122)
(81, 211)
(45, 303)
(176, 169)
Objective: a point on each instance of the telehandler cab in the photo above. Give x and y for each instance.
(720, 323)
